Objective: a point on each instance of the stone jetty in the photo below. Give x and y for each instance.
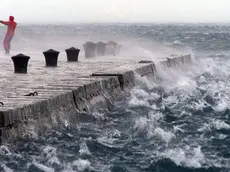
(42, 96)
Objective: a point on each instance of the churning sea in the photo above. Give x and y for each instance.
(178, 121)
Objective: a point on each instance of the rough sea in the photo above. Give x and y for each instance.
(178, 121)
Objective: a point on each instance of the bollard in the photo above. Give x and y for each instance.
(72, 54)
(101, 46)
(90, 49)
(51, 57)
(20, 63)
(111, 48)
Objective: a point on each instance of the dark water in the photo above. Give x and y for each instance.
(176, 122)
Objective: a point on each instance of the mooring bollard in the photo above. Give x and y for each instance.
(111, 48)
(51, 57)
(20, 63)
(101, 47)
(90, 49)
(72, 54)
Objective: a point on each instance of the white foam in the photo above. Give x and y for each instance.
(66, 123)
(218, 124)
(177, 79)
(107, 140)
(205, 127)
(137, 102)
(163, 135)
(6, 169)
(116, 134)
(68, 168)
(81, 164)
(30, 129)
(221, 106)
(154, 96)
(222, 136)
(139, 93)
(171, 99)
(43, 167)
(98, 115)
(144, 82)
(202, 80)
(140, 97)
(155, 116)
(141, 123)
(4, 150)
(49, 151)
(84, 149)
(190, 157)
(177, 128)
(199, 105)
(54, 160)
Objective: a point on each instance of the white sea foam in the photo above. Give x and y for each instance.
(4, 150)
(6, 169)
(82, 164)
(155, 116)
(98, 115)
(140, 94)
(144, 82)
(177, 128)
(187, 156)
(166, 136)
(141, 123)
(135, 102)
(222, 105)
(43, 167)
(84, 149)
(218, 124)
(49, 151)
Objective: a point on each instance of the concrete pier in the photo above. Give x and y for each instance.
(66, 90)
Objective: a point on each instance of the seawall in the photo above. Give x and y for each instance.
(65, 91)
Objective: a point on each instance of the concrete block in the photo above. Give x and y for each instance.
(79, 98)
(112, 89)
(125, 73)
(148, 69)
(89, 95)
(187, 59)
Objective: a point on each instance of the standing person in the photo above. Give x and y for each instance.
(11, 26)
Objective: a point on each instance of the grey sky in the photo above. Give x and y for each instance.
(75, 11)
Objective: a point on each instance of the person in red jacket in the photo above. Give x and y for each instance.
(11, 26)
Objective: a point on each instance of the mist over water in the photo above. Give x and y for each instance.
(136, 41)
(175, 121)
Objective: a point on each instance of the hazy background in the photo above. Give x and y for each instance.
(75, 11)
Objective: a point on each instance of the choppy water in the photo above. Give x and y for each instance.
(177, 121)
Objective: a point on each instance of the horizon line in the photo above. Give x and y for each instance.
(80, 23)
